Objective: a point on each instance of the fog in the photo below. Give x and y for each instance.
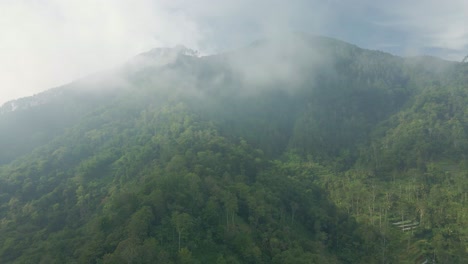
(283, 61)
(48, 43)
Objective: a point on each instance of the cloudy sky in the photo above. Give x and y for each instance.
(46, 43)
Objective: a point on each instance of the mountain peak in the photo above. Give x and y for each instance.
(158, 57)
(166, 51)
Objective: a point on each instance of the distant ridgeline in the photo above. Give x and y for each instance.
(297, 149)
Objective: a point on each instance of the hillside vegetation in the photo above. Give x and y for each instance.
(294, 150)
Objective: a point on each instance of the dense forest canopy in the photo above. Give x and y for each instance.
(297, 149)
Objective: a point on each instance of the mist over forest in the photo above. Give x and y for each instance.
(296, 148)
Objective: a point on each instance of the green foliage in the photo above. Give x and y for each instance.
(318, 172)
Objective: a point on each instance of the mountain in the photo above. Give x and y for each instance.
(294, 149)
(36, 120)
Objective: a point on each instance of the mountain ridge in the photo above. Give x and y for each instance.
(171, 53)
(286, 152)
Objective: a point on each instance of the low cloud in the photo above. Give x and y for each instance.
(47, 43)
(51, 42)
(284, 61)
(428, 25)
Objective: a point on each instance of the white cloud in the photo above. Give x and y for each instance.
(429, 23)
(51, 42)
(46, 43)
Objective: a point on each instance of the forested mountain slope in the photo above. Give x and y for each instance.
(296, 149)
